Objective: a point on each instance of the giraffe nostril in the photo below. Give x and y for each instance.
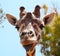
(32, 35)
(30, 32)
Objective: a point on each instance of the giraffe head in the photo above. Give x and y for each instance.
(29, 26)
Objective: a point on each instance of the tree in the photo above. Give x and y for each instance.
(2, 15)
(45, 7)
(51, 38)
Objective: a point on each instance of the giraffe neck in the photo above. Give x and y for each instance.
(31, 52)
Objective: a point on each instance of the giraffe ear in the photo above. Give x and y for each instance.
(37, 11)
(12, 20)
(48, 18)
(22, 11)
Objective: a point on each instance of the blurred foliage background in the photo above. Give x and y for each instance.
(2, 16)
(50, 40)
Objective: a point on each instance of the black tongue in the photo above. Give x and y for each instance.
(27, 47)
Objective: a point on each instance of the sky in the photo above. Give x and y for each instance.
(9, 37)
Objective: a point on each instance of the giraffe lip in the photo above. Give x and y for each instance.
(28, 42)
(28, 47)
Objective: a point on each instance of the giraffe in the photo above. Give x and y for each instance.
(30, 27)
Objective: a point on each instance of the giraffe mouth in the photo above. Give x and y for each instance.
(28, 42)
(27, 47)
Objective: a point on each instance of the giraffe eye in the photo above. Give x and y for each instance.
(23, 33)
(17, 27)
(41, 26)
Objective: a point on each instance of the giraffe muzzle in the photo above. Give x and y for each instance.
(27, 47)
